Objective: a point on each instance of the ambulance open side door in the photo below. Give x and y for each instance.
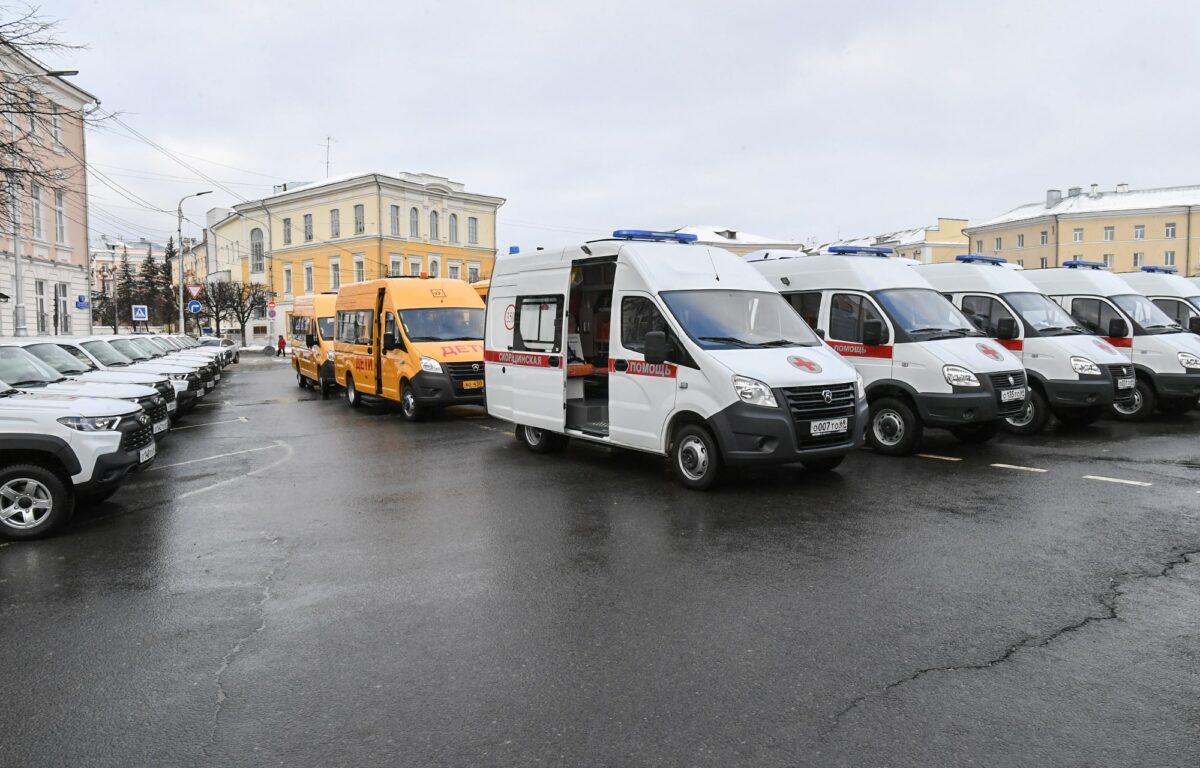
(535, 361)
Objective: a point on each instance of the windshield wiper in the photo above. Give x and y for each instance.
(9, 392)
(29, 383)
(730, 340)
(780, 343)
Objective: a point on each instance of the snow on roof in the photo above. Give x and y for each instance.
(898, 238)
(713, 234)
(1084, 202)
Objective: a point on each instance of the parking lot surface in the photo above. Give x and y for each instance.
(298, 583)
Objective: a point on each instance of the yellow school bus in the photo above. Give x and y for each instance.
(312, 340)
(481, 287)
(415, 340)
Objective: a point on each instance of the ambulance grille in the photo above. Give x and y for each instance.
(1008, 380)
(1121, 371)
(807, 403)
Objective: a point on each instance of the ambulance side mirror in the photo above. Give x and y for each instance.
(655, 349)
(873, 333)
(820, 332)
(1117, 328)
(1006, 328)
(1194, 323)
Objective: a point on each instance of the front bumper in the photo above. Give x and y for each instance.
(1183, 385)
(326, 373)
(750, 434)
(1082, 393)
(437, 389)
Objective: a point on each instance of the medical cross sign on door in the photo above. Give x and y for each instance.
(140, 312)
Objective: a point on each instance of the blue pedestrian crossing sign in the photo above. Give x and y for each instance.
(194, 307)
(140, 312)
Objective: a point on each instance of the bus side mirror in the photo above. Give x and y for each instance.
(310, 340)
(1006, 328)
(1117, 328)
(873, 333)
(655, 349)
(1194, 323)
(390, 342)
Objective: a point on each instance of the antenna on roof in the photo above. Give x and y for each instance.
(328, 140)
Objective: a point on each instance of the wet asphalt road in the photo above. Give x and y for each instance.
(340, 588)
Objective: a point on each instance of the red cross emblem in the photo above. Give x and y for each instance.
(805, 364)
(988, 351)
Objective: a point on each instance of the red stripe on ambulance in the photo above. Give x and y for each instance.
(527, 359)
(642, 368)
(1125, 342)
(850, 349)
(1012, 345)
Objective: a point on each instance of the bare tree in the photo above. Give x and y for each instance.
(216, 300)
(246, 299)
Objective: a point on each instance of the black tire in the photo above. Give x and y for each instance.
(326, 386)
(1033, 418)
(976, 433)
(695, 457)
(301, 381)
(1144, 402)
(353, 399)
(39, 499)
(894, 428)
(1176, 406)
(827, 464)
(410, 409)
(1076, 418)
(541, 440)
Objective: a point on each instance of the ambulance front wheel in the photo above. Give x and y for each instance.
(696, 457)
(1140, 406)
(895, 428)
(540, 440)
(1032, 418)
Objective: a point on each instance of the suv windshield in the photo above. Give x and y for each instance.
(1046, 317)
(57, 358)
(739, 319)
(148, 349)
(1152, 319)
(456, 324)
(925, 314)
(107, 354)
(20, 369)
(129, 349)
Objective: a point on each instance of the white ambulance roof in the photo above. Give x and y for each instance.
(1161, 284)
(773, 253)
(987, 278)
(862, 273)
(1063, 281)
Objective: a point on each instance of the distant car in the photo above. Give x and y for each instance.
(211, 341)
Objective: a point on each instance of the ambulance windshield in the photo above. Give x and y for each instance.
(739, 319)
(1152, 319)
(925, 314)
(1046, 317)
(443, 324)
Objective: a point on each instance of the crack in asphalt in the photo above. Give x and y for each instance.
(1108, 600)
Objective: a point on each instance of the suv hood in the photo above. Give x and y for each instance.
(98, 389)
(120, 376)
(66, 405)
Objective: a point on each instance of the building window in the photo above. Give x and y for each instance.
(433, 266)
(35, 198)
(453, 228)
(414, 268)
(287, 279)
(308, 228)
(1020, 241)
(1169, 231)
(1108, 259)
(335, 274)
(978, 246)
(397, 268)
(1110, 234)
(308, 277)
(1044, 263)
(1045, 237)
(60, 217)
(287, 231)
(1139, 259)
(1020, 262)
(433, 225)
(414, 223)
(56, 127)
(998, 243)
(1169, 258)
(452, 270)
(335, 223)
(1139, 231)
(395, 219)
(472, 230)
(256, 250)
(39, 291)
(63, 320)
(360, 219)
(360, 269)
(1077, 235)
(473, 272)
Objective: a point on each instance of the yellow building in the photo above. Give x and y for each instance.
(1124, 228)
(316, 237)
(928, 245)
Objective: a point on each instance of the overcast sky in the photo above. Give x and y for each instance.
(792, 120)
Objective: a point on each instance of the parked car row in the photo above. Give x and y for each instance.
(78, 414)
(649, 341)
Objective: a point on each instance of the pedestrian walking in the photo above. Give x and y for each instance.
(280, 346)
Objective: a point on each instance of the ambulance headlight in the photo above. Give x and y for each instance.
(1188, 360)
(754, 392)
(1084, 367)
(860, 386)
(430, 365)
(957, 376)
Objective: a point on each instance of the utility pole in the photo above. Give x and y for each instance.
(179, 251)
(328, 141)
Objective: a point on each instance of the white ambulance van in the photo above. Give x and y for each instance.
(1165, 357)
(924, 363)
(1177, 296)
(649, 342)
(1073, 375)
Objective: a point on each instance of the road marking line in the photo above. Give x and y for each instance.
(1116, 480)
(212, 458)
(288, 452)
(1018, 466)
(211, 423)
(938, 458)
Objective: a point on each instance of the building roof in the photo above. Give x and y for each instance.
(727, 236)
(427, 180)
(1084, 202)
(33, 64)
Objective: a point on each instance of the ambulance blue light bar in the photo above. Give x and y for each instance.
(650, 234)
(975, 258)
(859, 250)
(513, 249)
(1081, 264)
(1164, 270)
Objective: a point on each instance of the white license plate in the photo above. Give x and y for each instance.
(1009, 395)
(202, 393)
(147, 453)
(161, 426)
(1125, 383)
(218, 377)
(209, 385)
(172, 406)
(828, 426)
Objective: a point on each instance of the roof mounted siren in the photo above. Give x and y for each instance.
(975, 258)
(650, 234)
(1163, 270)
(513, 249)
(1081, 264)
(860, 250)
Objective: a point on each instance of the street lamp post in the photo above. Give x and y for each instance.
(179, 251)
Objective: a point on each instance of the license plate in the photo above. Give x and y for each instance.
(147, 453)
(1125, 383)
(202, 393)
(172, 406)
(218, 377)
(209, 385)
(828, 426)
(473, 384)
(161, 426)
(1009, 395)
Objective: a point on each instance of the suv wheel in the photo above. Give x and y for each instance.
(33, 501)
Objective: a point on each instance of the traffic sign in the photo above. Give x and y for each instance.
(271, 304)
(271, 313)
(194, 290)
(194, 307)
(140, 312)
